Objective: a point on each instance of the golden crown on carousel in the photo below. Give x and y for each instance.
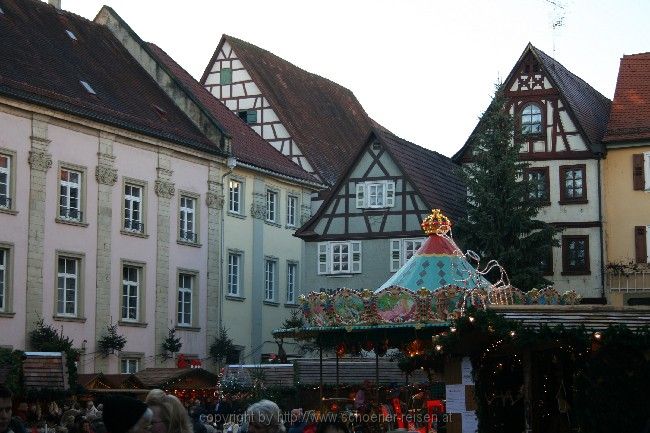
(436, 223)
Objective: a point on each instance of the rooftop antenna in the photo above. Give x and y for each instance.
(557, 18)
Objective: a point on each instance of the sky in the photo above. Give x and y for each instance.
(425, 69)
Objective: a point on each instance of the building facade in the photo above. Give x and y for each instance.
(369, 224)
(560, 121)
(627, 183)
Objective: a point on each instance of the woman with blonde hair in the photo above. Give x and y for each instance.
(169, 415)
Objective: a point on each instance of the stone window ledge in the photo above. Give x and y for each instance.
(69, 319)
(272, 303)
(235, 298)
(135, 234)
(7, 314)
(291, 305)
(8, 211)
(71, 222)
(236, 215)
(187, 328)
(133, 324)
(189, 244)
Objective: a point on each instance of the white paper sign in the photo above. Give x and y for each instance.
(470, 422)
(455, 398)
(466, 371)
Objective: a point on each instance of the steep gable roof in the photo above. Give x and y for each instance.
(247, 145)
(325, 119)
(588, 107)
(431, 174)
(41, 63)
(629, 118)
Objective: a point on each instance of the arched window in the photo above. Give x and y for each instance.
(531, 120)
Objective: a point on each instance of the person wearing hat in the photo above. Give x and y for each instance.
(126, 415)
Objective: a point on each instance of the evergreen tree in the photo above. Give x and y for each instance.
(501, 216)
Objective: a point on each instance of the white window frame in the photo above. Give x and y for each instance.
(400, 250)
(369, 192)
(270, 279)
(292, 282)
(530, 116)
(126, 363)
(235, 189)
(187, 219)
(129, 204)
(292, 206)
(5, 199)
(646, 170)
(234, 273)
(126, 294)
(62, 291)
(184, 292)
(326, 253)
(272, 205)
(66, 209)
(4, 258)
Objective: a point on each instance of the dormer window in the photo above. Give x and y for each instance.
(248, 116)
(531, 120)
(88, 88)
(71, 35)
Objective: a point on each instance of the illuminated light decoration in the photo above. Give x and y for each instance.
(452, 329)
(471, 319)
(340, 350)
(598, 335)
(438, 347)
(513, 333)
(436, 223)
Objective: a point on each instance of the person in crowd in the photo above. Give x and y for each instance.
(126, 415)
(297, 421)
(169, 415)
(264, 417)
(97, 426)
(154, 395)
(91, 409)
(7, 423)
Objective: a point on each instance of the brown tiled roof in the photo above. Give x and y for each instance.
(247, 145)
(41, 64)
(45, 370)
(629, 119)
(163, 377)
(326, 120)
(432, 175)
(589, 108)
(110, 381)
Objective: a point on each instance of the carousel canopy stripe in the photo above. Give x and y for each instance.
(314, 330)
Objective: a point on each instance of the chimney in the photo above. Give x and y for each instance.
(55, 3)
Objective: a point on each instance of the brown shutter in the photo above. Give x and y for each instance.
(637, 172)
(640, 244)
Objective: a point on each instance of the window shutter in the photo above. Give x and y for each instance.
(394, 255)
(638, 174)
(322, 257)
(356, 257)
(390, 193)
(361, 201)
(640, 244)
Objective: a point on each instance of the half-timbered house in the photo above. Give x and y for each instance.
(315, 122)
(369, 224)
(560, 121)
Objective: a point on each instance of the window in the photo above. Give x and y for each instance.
(129, 365)
(131, 284)
(248, 116)
(646, 166)
(225, 76)
(271, 206)
(531, 120)
(292, 202)
(235, 196)
(234, 356)
(376, 194)
(3, 279)
(573, 184)
(133, 195)
(68, 286)
(187, 220)
(575, 255)
(401, 250)
(339, 257)
(234, 274)
(292, 276)
(538, 184)
(185, 286)
(5, 181)
(70, 195)
(270, 279)
(88, 87)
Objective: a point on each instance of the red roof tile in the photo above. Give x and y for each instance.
(629, 119)
(40, 63)
(326, 120)
(247, 145)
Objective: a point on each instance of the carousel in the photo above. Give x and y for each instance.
(438, 285)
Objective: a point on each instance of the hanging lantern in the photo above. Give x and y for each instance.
(340, 350)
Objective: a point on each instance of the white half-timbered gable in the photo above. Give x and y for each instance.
(230, 82)
(560, 121)
(369, 225)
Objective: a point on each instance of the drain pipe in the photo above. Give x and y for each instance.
(602, 232)
(231, 164)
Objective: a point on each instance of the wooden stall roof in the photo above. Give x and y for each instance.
(177, 378)
(97, 381)
(571, 316)
(45, 370)
(306, 371)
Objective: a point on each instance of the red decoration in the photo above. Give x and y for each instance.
(340, 350)
(181, 362)
(397, 408)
